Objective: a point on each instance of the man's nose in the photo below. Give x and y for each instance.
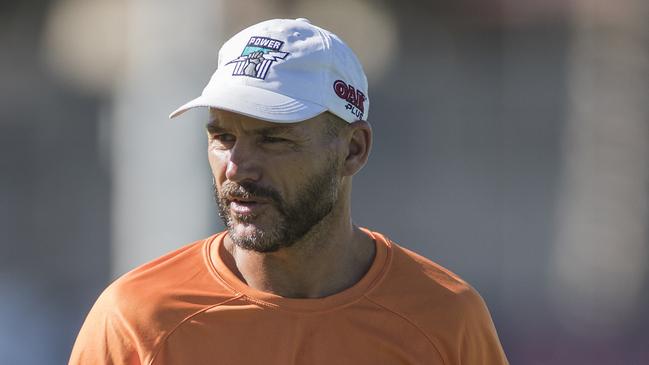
(243, 164)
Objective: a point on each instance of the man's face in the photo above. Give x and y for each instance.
(272, 182)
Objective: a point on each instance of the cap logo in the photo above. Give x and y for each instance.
(355, 98)
(259, 54)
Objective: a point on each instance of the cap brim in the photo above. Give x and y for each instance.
(255, 102)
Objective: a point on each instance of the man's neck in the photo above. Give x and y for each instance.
(332, 257)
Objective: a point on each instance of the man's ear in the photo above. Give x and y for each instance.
(359, 143)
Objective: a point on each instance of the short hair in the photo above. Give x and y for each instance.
(335, 125)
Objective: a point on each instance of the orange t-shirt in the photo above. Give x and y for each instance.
(188, 308)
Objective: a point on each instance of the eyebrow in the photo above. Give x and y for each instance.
(280, 129)
(213, 128)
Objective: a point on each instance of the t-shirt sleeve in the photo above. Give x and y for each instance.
(479, 343)
(106, 336)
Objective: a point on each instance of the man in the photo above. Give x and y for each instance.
(292, 280)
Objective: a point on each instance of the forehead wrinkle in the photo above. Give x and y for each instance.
(230, 121)
(278, 129)
(214, 124)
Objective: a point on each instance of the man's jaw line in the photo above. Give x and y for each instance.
(309, 243)
(291, 262)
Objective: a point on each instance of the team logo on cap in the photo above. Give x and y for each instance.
(355, 98)
(259, 54)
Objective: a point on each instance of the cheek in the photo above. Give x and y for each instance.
(295, 173)
(218, 163)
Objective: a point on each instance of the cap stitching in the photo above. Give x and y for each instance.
(326, 46)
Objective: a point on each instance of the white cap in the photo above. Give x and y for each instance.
(286, 71)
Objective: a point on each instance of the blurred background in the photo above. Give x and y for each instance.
(511, 146)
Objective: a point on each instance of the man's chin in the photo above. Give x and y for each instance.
(247, 231)
(252, 237)
(239, 228)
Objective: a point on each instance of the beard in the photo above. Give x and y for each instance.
(293, 220)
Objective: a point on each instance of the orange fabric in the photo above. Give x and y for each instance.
(188, 308)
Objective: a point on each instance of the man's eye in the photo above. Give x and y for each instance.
(269, 139)
(224, 138)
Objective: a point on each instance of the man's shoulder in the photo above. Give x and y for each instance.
(425, 292)
(137, 312)
(163, 292)
(423, 277)
(444, 307)
(164, 272)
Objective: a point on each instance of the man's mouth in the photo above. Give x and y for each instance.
(246, 206)
(250, 200)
